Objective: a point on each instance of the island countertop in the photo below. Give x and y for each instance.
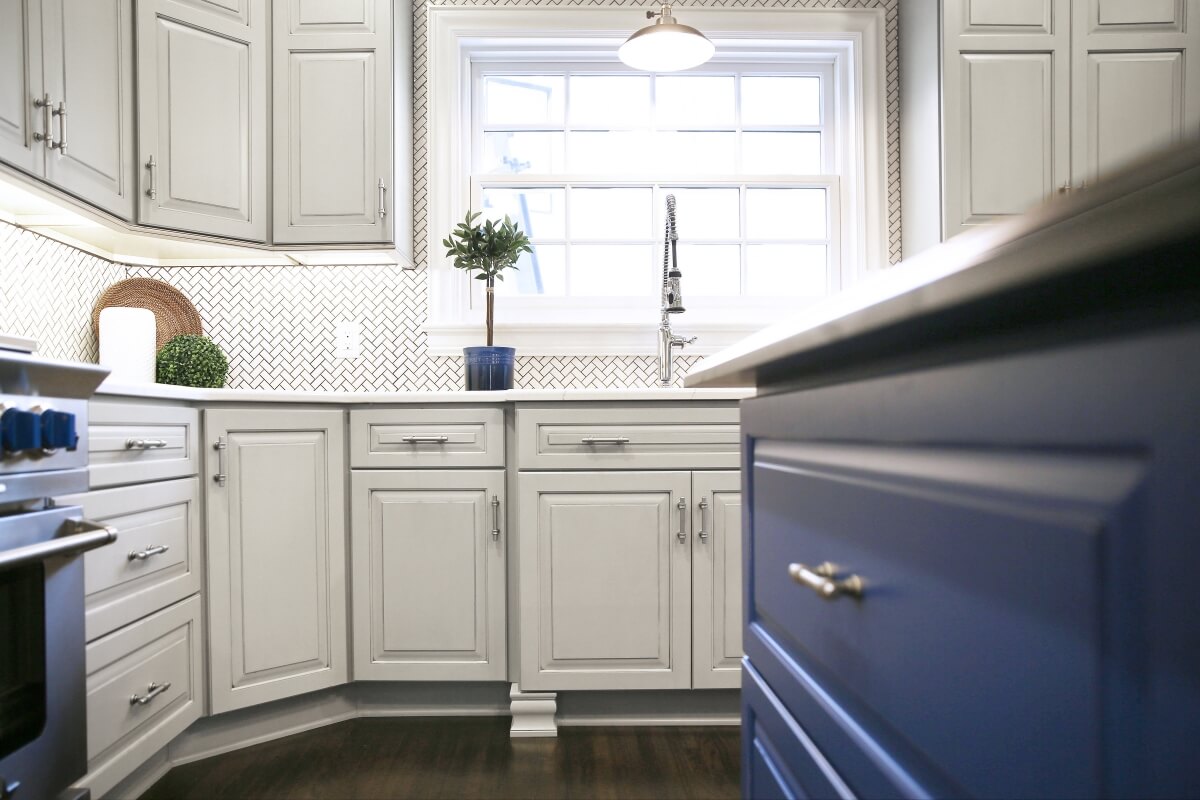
(1127, 246)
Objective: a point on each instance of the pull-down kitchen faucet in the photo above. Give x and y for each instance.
(672, 300)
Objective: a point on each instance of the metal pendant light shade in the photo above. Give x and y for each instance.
(665, 46)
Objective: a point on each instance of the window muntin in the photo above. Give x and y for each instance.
(583, 156)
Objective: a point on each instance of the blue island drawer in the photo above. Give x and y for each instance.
(976, 645)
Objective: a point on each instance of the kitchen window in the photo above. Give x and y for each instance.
(761, 148)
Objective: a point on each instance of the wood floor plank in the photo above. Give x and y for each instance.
(466, 759)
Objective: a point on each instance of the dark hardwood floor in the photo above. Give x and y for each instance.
(465, 758)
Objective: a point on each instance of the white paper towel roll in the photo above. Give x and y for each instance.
(127, 344)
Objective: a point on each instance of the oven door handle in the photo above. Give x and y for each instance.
(84, 535)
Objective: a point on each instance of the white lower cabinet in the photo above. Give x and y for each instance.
(630, 580)
(428, 574)
(144, 686)
(276, 553)
(717, 581)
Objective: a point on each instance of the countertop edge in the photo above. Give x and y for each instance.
(156, 391)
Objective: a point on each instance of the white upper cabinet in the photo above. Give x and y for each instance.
(1045, 96)
(1007, 105)
(66, 96)
(332, 75)
(1137, 86)
(21, 85)
(202, 116)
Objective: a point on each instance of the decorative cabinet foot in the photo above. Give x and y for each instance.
(532, 713)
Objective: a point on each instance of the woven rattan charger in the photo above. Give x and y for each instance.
(174, 314)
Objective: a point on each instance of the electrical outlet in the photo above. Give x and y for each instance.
(346, 337)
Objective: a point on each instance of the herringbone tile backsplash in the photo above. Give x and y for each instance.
(276, 323)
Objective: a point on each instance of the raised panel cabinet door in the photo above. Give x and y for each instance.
(428, 566)
(717, 580)
(276, 554)
(21, 123)
(1006, 101)
(88, 52)
(605, 580)
(1136, 82)
(202, 116)
(332, 159)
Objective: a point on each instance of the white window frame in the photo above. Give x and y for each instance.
(852, 38)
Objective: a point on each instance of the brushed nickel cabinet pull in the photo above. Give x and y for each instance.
(145, 444)
(682, 506)
(382, 199)
(152, 192)
(220, 446)
(61, 113)
(152, 550)
(703, 534)
(152, 691)
(43, 103)
(822, 579)
(604, 440)
(440, 439)
(495, 518)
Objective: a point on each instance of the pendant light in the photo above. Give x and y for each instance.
(665, 46)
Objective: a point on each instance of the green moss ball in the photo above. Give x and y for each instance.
(191, 360)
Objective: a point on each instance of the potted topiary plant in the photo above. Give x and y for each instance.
(192, 360)
(487, 249)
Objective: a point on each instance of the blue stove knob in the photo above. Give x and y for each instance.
(58, 430)
(19, 430)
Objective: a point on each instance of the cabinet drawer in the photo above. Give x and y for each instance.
(981, 568)
(779, 758)
(685, 437)
(139, 442)
(156, 560)
(471, 436)
(158, 661)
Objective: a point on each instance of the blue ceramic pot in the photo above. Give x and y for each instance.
(489, 368)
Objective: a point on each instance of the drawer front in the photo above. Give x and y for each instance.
(779, 759)
(155, 561)
(976, 642)
(685, 437)
(427, 437)
(144, 687)
(139, 442)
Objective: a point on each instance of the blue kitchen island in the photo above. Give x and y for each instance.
(972, 513)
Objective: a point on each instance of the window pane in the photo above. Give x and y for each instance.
(781, 153)
(786, 270)
(781, 101)
(710, 270)
(694, 101)
(608, 153)
(517, 152)
(695, 153)
(614, 270)
(610, 101)
(542, 272)
(701, 213)
(611, 214)
(785, 214)
(539, 212)
(523, 100)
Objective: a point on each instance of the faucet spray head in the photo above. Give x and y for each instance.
(672, 295)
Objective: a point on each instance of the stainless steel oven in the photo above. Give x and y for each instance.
(43, 453)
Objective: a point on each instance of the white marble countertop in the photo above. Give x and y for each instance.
(945, 292)
(158, 391)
